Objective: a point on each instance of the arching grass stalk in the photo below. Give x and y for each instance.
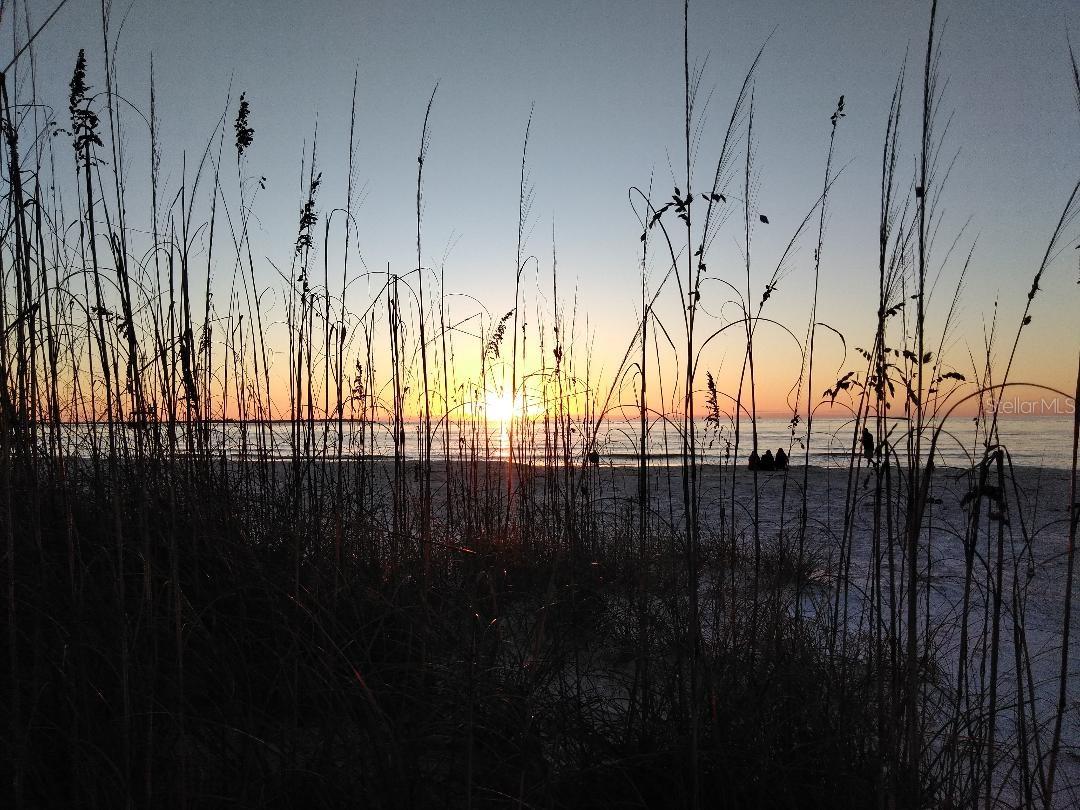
(426, 438)
(524, 209)
(811, 332)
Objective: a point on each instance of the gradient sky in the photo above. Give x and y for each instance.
(606, 80)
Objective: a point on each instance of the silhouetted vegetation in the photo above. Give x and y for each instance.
(215, 598)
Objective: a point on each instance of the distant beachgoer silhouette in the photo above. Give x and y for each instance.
(867, 444)
(755, 462)
(767, 461)
(781, 459)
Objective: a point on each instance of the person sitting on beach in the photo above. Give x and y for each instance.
(755, 462)
(767, 462)
(868, 444)
(781, 459)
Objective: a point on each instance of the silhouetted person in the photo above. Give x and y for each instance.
(867, 444)
(767, 462)
(781, 459)
(755, 462)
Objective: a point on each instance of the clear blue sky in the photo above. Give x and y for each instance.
(606, 80)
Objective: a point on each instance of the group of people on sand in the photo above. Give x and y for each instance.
(768, 462)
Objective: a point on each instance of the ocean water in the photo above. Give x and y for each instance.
(1044, 441)
(1031, 441)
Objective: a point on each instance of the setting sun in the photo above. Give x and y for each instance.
(502, 407)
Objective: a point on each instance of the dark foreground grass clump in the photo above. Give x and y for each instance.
(205, 676)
